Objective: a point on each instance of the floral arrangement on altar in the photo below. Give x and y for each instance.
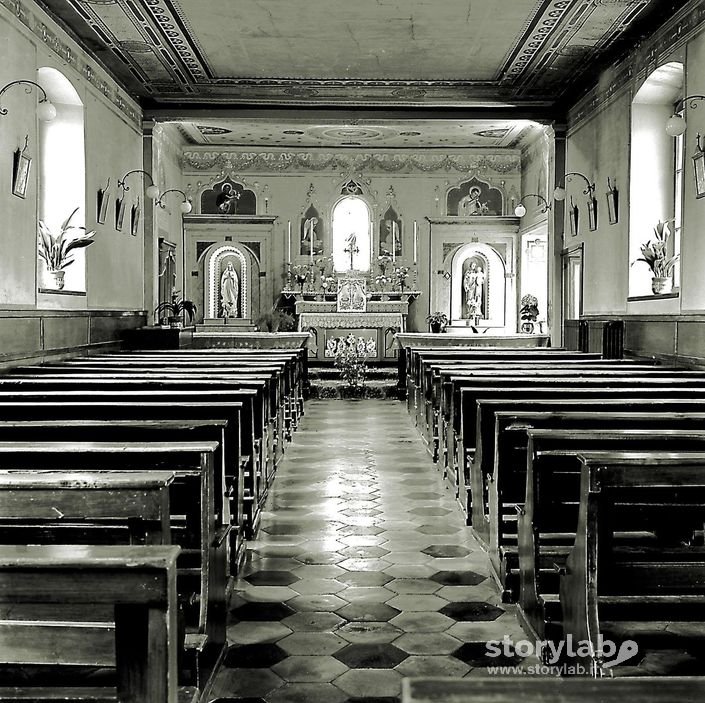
(301, 273)
(382, 281)
(383, 262)
(351, 354)
(327, 283)
(401, 273)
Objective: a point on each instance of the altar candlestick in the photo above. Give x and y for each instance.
(289, 250)
(415, 235)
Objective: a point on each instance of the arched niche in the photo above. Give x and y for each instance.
(215, 261)
(478, 264)
(228, 197)
(474, 197)
(351, 220)
(391, 221)
(311, 223)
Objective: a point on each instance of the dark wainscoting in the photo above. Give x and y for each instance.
(670, 340)
(33, 336)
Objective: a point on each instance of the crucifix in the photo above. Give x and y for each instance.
(352, 248)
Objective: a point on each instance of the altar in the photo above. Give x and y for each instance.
(383, 316)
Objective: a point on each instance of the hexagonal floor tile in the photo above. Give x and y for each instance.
(253, 656)
(318, 571)
(245, 683)
(313, 622)
(312, 643)
(446, 551)
(363, 540)
(368, 632)
(477, 654)
(268, 594)
(458, 578)
(370, 612)
(367, 594)
(364, 552)
(417, 603)
(317, 602)
(257, 632)
(365, 564)
(364, 578)
(310, 669)
(420, 495)
(435, 511)
(431, 666)
(438, 529)
(363, 683)
(371, 656)
(261, 611)
(311, 586)
(422, 622)
(275, 550)
(272, 578)
(472, 612)
(416, 586)
(350, 530)
(307, 693)
(428, 643)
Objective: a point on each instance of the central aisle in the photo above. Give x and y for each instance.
(363, 573)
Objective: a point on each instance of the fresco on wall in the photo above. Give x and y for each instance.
(390, 234)
(473, 198)
(228, 198)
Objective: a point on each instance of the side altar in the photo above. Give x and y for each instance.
(376, 315)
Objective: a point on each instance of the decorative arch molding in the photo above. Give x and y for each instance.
(493, 313)
(215, 260)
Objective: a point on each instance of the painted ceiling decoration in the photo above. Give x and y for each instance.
(526, 53)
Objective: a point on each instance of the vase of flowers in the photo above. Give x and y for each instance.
(301, 274)
(654, 253)
(529, 312)
(401, 273)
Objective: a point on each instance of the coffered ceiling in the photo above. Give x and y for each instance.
(361, 53)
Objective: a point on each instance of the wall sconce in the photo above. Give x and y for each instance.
(520, 209)
(559, 192)
(185, 205)
(675, 125)
(46, 111)
(152, 191)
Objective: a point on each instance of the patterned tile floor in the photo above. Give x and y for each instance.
(363, 572)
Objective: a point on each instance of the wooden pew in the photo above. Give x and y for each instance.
(551, 689)
(549, 504)
(137, 582)
(96, 507)
(203, 560)
(247, 399)
(604, 582)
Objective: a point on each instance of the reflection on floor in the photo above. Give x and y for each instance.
(363, 573)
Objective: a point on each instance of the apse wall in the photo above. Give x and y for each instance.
(33, 322)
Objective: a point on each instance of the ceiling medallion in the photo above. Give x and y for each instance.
(207, 130)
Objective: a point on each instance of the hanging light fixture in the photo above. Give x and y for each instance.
(46, 111)
(152, 191)
(676, 125)
(559, 192)
(185, 205)
(520, 209)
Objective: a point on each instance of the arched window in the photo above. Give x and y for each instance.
(656, 171)
(62, 167)
(351, 235)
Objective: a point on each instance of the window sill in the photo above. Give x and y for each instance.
(660, 296)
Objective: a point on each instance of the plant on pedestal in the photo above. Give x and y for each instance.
(654, 254)
(529, 312)
(172, 312)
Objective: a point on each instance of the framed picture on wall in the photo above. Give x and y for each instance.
(573, 218)
(119, 213)
(20, 170)
(699, 169)
(612, 203)
(102, 203)
(135, 213)
(592, 214)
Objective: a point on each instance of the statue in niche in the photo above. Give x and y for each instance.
(474, 287)
(229, 290)
(310, 242)
(391, 244)
(470, 205)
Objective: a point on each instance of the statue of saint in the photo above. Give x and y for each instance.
(473, 285)
(229, 290)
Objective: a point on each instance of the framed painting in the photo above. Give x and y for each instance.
(135, 213)
(573, 218)
(592, 214)
(612, 203)
(699, 171)
(102, 203)
(20, 171)
(119, 213)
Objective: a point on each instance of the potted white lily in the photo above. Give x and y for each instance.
(56, 250)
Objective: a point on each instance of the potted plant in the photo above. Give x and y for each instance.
(654, 254)
(438, 321)
(529, 312)
(275, 321)
(55, 250)
(175, 310)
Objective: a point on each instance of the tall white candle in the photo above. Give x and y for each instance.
(289, 250)
(372, 238)
(394, 242)
(312, 232)
(415, 235)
